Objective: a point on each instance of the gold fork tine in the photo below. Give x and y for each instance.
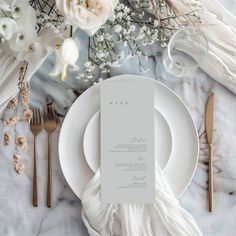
(50, 112)
(39, 116)
(55, 116)
(36, 116)
(36, 119)
(32, 119)
(58, 120)
(46, 114)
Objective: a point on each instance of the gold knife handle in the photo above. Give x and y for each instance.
(210, 179)
(49, 182)
(35, 180)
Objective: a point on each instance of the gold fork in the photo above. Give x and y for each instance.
(50, 123)
(36, 126)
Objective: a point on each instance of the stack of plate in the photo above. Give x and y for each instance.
(176, 139)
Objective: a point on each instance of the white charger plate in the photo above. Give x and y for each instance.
(185, 145)
(91, 144)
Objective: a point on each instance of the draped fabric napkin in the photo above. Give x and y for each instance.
(9, 72)
(164, 217)
(219, 27)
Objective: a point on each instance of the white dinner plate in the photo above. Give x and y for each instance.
(91, 144)
(185, 146)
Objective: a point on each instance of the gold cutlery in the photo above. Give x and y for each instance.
(36, 126)
(209, 122)
(50, 124)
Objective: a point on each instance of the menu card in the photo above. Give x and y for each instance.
(127, 142)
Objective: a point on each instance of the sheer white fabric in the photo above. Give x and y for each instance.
(219, 27)
(164, 217)
(9, 72)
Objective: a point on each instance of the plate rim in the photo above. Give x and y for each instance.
(141, 77)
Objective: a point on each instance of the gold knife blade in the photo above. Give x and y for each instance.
(209, 122)
(210, 118)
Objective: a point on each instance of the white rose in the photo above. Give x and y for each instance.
(88, 15)
(4, 6)
(8, 27)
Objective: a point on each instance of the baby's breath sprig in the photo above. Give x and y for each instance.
(47, 14)
(136, 24)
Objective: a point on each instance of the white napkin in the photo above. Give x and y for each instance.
(9, 72)
(164, 217)
(219, 27)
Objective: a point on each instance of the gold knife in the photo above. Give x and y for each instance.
(209, 121)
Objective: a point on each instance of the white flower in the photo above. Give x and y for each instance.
(156, 23)
(115, 64)
(100, 38)
(108, 36)
(87, 64)
(117, 28)
(120, 6)
(132, 28)
(25, 18)
(26, 42)
(20, 32)
(22, 39)
(144, 28)
(119, 15)
(126, 10)
(37, 48)
(7, 27)
(100, 54)
(70, 51)
(23, 13)
(140, 36)
(163, 44)
(4, 6)
(89, 15)
(66, 55)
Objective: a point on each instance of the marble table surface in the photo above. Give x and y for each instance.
(18, 217)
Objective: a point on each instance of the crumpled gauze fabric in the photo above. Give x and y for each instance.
(164, 217)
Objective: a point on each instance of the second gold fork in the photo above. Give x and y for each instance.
(50, 124)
